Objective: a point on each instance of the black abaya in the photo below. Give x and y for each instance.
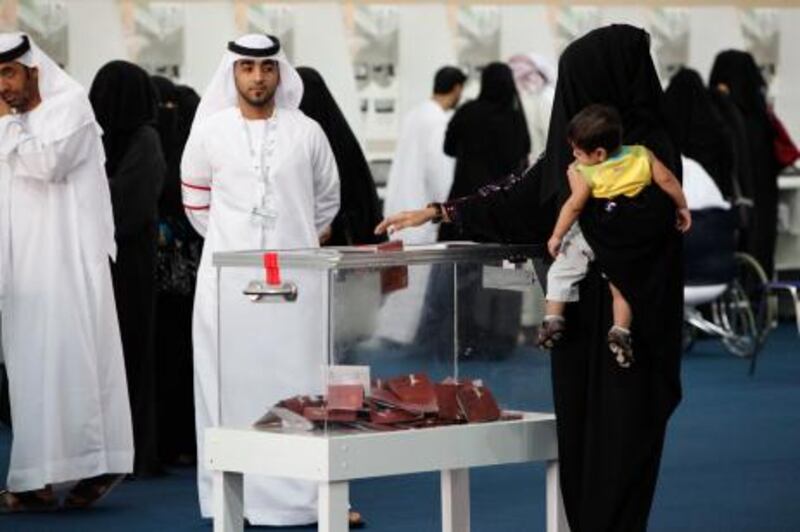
(698, 128)
(359, 212)
(178, 254)
(488, 138)
(611, 421)
(124, 102)
(745, 87)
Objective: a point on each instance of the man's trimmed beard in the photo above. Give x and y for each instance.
(268, 95)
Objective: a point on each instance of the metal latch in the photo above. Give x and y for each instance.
(261, 291)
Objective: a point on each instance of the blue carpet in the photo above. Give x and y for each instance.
(731, 462)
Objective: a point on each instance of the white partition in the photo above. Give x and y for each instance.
(320, 41)
(787, 89)
(633, 15)
(209, 27)
(426, 43)
(95, 37)
(525, 29)
(712, 29)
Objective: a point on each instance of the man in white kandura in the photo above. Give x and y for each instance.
(257, 174)
(69, 399)
(421, 173)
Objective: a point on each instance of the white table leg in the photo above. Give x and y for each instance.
(228, 502)
(556, 516)
(455, 500)
(334, 505)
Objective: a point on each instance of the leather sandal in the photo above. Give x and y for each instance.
(42, 500)
(90, 491)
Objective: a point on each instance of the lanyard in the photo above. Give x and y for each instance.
(264, 212)
(257, 157)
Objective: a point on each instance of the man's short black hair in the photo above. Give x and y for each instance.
(596, 126)
(447, 78)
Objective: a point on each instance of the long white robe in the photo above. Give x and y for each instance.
(220, 185)
(537, 106)
(69, 400)
(421, 173)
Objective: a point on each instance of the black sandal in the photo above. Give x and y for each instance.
(36, 501)
(89, 491)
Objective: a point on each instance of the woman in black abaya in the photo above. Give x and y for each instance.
(359, 212)
(698, 128)
(611, 421)
(178, 255)
(736, 76)
(124, 103)
(488, 137)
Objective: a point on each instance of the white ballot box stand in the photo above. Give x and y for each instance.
(333, 459)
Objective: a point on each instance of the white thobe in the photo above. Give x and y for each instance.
(537, 106)
(421, 173)
(69, 399)
(223, 180)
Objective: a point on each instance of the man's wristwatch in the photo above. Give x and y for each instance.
(439, 216)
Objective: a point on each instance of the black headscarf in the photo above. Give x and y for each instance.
(124, 99)
(359, 212)
(497, 86)
(176, 108)
(746, 88)
(699, 129)
(739, 71)
(610, 66)
(611, 422)
(167, 124)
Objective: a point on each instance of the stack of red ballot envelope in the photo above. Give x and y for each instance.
(402, 402)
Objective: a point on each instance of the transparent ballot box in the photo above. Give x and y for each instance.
(378, 338)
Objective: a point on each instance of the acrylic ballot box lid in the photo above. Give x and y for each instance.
(372, 257)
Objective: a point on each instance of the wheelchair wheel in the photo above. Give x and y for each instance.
(753, 280)
(733, 314)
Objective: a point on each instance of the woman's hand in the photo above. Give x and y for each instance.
(684, 221)
(554, 246)
(405, 219)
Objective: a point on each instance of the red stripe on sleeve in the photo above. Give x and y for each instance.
(196, 187)
(196, 207)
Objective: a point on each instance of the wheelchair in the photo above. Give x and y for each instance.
(726, 293)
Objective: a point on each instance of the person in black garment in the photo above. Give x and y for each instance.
(698, 128)
(611, 422)
(177, 259)
(736, 75)
(124, 103)
(488, 137)
(359, 211)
